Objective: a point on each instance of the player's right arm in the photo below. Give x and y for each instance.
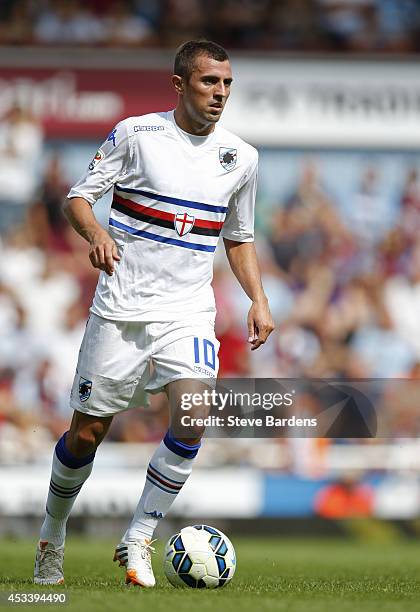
(109, 165)
(103, 250)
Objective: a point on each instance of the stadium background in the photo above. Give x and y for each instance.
(329, 92)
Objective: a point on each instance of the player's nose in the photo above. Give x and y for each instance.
(220, 90)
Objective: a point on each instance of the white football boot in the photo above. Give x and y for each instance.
(136, 558)
(49, 564)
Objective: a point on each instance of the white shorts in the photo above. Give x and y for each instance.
(121, 361)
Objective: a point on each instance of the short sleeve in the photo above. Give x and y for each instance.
(239, 223)
(107, 167)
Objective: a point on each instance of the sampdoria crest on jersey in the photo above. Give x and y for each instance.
(99, 155)
(183, 223)
(85, 388)
(227, 158)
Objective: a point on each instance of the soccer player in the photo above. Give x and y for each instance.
(179, 182)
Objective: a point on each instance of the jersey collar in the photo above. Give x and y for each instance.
(193, 141)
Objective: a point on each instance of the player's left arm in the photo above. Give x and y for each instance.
(243, 261)
(238, 235)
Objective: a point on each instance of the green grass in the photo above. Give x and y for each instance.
(272, 574)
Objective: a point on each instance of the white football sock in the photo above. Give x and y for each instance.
(67, 477)
(167, 472)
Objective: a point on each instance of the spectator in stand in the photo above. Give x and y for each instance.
(125, 28)
(349, 25)
(410, 206)
(402, 300)
(238, 23)
(39, 282)
(68, 22)
(51, 192)
(46, 221)
(399, 25)
(299, 350)
(21, 140)
(307, 225)
(182, 20)
(150, 10)
(390, 26)
(294, 24)
(16, 26)
(381, 348)
(369, 213)
(14, 334)
(346, 498)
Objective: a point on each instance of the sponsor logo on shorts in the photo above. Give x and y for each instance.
(228, 157)
(99, 155)
(204, 371)
(148, 128)
(85, 388)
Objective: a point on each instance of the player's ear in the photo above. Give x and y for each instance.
(178, 84)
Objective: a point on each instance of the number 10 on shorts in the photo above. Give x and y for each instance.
(204, 352)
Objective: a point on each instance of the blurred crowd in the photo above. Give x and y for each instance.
(390, 26)
(343, 280)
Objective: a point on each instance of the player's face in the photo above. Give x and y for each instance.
(206, 92)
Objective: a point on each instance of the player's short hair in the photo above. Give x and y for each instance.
(188, 52)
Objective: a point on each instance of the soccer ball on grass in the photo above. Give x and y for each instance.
(199, 557)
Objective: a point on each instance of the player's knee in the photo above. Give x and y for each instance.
(194, 439)
(85, 441)
(98, 430)
(193, 431)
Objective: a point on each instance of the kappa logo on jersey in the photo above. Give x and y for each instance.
(228, 157)
(148, 128)
(85, 388)
(111, 136)
(183, 223)
(99, 155)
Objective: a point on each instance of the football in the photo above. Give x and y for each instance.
(200, 557)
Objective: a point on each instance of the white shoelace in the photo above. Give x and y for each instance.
(142, 550)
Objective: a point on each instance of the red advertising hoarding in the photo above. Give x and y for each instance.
(84, 103)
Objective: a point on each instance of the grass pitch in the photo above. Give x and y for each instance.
(272, 574)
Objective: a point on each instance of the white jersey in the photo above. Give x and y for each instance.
(173, 197)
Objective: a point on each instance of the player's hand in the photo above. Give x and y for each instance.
(103, 251)
(260, 323)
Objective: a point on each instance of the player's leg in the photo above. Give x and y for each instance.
(106, 382)
(167, 472)
(168, 469)
(71, 466)
(171, 463)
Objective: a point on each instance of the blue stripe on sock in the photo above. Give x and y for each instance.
(67, 458)
(179, 448)
(62, 495)
(66, 489)
(68, 493)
